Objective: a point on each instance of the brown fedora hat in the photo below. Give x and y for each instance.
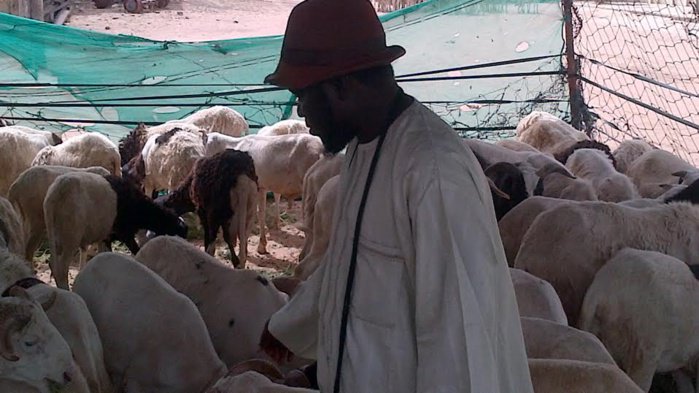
(329, 38)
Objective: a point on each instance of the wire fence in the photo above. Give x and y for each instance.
(639, 72)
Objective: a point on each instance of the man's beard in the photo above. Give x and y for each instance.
(336, 139)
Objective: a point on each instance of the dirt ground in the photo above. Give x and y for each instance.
(188, 20)
(283, 247)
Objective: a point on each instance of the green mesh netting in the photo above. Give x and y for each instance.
(57, 77)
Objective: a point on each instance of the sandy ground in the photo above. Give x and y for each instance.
(188, 20)
(283, 247)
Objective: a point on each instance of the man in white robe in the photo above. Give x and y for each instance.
(432, 306)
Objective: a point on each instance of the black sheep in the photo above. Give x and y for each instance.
(206, 190)
(135, 211)
(509, 179)
(689, 194)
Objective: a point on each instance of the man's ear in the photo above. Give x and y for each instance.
(337, 89)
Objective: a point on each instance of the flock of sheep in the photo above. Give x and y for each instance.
(600, 243)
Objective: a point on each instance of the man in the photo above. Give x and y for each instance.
(421, 300)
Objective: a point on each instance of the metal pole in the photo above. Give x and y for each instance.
(572, 65)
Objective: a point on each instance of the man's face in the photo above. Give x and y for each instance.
(321, 112)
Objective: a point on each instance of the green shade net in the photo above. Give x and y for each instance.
(58, 78)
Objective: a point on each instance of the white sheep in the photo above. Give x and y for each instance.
(50, 138)
(17, 151)
(515, 145)
(656, 168)
(562, 186)
(253, 382)
(316, 176)
(547, 133)
(218, 118)
(68, 313)
(574, 376)
(33, 354)
(11, 229)
(517, 221)
(281, 162)
(153, 337)
(641, 304)
(533, 165)
(628, 151)
(536, 298)
(284, 127)
(83, 151)
(549, 340)
(168, 126)
(568, 244)
(234, 304)
(83, 208)
(27, 195)
(321, 229)
(594, 165)
(79, 210)
(168, 159)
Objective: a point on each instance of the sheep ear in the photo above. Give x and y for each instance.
(57, 140)
(496, 190)
(20, 292)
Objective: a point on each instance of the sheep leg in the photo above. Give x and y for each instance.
(262, 246)
(243, 231)
(229, 238)
(108, 245)
(131, 244)
(289, 203)
(59, 263)
(276, 224)
(31, 247)
(104, 246)
(210, 232)
(642, 373)
(683, 382)
(82, 257)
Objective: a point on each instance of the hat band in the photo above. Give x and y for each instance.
(333, 56)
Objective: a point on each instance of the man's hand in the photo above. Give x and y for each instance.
(274, 348)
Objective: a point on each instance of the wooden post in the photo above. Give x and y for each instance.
(37, 9)
(572, 65)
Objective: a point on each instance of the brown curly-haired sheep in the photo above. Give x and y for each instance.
(212, 189)
(562, 156)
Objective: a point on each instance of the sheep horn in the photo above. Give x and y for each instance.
(496, 190)
(19, 292)
(16, 321)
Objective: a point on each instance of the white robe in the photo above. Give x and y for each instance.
(433, 307)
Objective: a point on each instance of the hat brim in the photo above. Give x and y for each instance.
(297, 77)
